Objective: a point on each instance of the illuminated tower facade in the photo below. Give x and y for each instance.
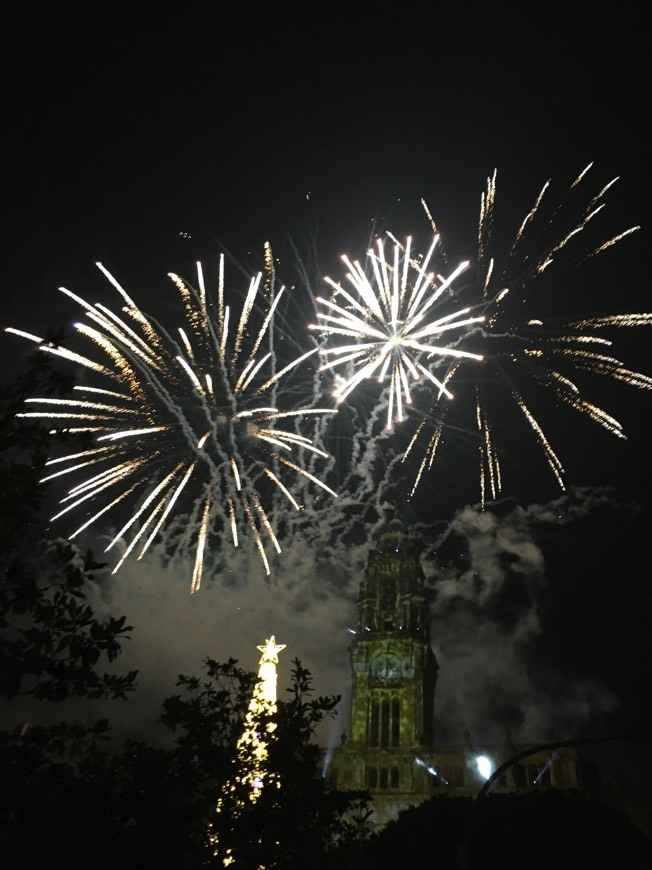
(394, 673)
(390, 749)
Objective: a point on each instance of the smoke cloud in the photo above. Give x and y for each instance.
(487, 571)
(488, 574)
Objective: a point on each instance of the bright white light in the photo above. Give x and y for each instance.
(484, 766)
(389, 326)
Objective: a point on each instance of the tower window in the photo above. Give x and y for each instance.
(388, 594)
(396, 721)
(373, 729)
(394, 778)
(384, 723)
(383, 777)
(372, 777)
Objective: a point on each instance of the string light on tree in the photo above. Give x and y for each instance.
(251, 773)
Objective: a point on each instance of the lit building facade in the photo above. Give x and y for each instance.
(390, 749)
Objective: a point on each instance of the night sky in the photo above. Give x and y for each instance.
(148, 137)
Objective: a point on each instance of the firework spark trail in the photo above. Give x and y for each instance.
(251, 421)
(360, 467)
(520, 349)
(199, 420)
(388, 320)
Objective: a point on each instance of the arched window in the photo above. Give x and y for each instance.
(384, 722)
(396, 721)
(373, 725)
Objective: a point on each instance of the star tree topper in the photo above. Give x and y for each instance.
(270, 651)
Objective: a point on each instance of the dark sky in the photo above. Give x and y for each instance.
(127, 126)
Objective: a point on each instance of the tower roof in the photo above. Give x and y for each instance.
(395, 537)
(391, 535)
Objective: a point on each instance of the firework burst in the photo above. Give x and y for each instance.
(523, 350)
(389, 321)
(189, 423)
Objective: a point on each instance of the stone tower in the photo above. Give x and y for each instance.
(394, 672)
(390, 749)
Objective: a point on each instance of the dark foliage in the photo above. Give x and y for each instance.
(77, 803)
(51, 640)
(53, 646)
(564, 830)
(296, 822)
(25, 447)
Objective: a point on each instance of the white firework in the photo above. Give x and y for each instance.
(526, 343)
(390, 319)
(193, 418)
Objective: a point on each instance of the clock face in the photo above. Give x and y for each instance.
(386, 669)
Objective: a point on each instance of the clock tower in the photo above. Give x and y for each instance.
(394, 672)
(390, 750)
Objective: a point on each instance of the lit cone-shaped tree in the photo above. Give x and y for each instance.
(251, 773)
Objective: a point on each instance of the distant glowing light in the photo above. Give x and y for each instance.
(484, 765)
(431, 770)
